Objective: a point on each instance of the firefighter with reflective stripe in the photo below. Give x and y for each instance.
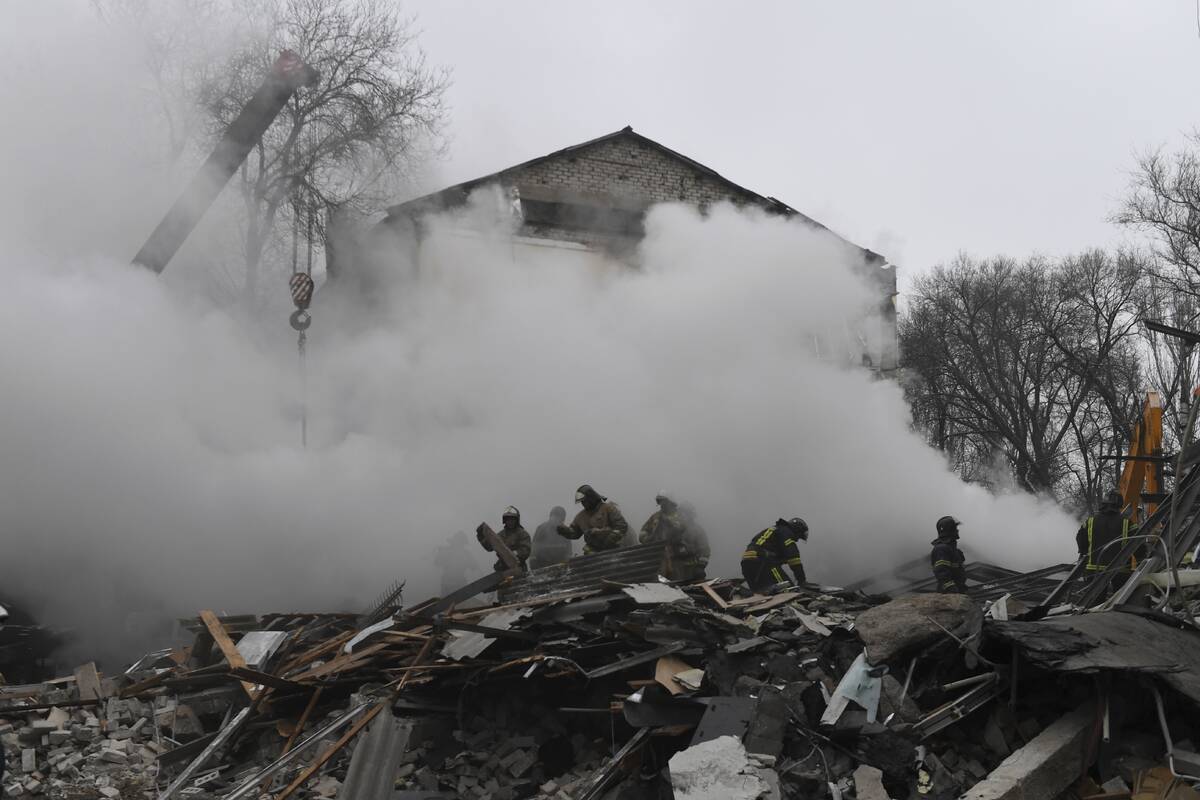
(773, 549)
(515, 538)
(1100, 530)
(947, 560)
(600, 523)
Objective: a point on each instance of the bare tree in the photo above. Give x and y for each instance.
(343, 145)
(1029, 366)
(1164, 202)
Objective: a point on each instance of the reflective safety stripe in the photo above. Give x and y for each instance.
(1092, 565)
(764, 537)
(943, 563)
(749, 554)
(793, 562)
(1091, 562)
(777, 574)
(788, 542)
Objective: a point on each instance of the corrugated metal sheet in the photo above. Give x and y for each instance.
(372, 771)
(639, 564)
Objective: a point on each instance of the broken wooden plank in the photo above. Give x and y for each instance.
(331, 751)
(317, 651)
(150, 683)
(636, 659)
(254, 676)
(217, 631)
(721, 602)
(342, 662)
(485, 584)
(499, 547)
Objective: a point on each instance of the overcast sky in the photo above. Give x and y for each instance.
(918, 129)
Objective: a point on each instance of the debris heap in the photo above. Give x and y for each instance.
(588, 687)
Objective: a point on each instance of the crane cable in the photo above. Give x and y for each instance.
(301, 285)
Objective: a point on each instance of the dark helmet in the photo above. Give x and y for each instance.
(798, 526)
(586, 494)
(511, 512)
(948, 527)
(1113, 501)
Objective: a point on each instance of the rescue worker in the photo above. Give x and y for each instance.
(455, 561)
(669, 525)
(1100, 530)
(773, 549)
(698, 539)
(548, 547)
(946, 559)
(515, 538)
(599, 524)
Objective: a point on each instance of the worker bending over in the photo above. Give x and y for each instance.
(599, 524)
(687, 549)
(947, 560)
(1100, 530)
(515, 538)
(773, 549)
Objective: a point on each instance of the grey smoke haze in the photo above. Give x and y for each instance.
(149, 452)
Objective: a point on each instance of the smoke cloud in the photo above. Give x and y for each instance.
(149, 446)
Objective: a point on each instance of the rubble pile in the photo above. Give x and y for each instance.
(593, 688)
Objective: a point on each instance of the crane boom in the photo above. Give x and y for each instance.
(288, 73)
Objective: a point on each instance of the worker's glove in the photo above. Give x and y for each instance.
(566, 531)
(597, 538)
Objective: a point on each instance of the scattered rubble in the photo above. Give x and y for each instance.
(589, 687)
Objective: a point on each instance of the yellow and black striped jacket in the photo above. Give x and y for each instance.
(777, 543)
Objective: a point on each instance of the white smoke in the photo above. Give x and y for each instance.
(149, 445)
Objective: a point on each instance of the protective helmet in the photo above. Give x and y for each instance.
(663, 498)
(1113, 500)
(511, 511)
(799, 526)
(948, 526)
(585, 491)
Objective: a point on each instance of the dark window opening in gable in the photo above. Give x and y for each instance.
(577, 216)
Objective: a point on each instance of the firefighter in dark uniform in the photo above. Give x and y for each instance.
(1100, 530)
(947, 560)
(515, 538)
(773, 549)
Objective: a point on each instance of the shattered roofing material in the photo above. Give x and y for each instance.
(469, 644)
(1111, 640)
(649, 593)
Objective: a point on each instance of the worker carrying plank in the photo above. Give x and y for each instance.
(515, 538)
(946, 559)
(687, 549)
(771, 550)
(1099, 531)
(599, 524)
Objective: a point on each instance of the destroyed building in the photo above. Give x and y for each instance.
(595, 679)
(585, 206)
